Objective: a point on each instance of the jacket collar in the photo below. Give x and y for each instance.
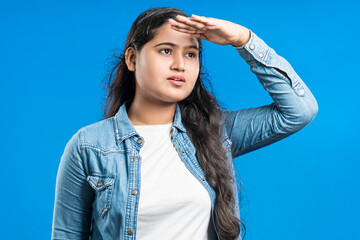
(125, 129)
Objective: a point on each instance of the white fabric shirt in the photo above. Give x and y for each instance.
(173, 204)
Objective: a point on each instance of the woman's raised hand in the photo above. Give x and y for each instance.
(215, 30)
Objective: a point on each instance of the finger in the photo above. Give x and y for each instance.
(195, 35)
(194, 31)
(178, 24)
(181, 25)
(198, 35)
(190, 22)
(204, 20)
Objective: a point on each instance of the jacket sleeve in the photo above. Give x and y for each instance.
(293, 107)
(73, 196)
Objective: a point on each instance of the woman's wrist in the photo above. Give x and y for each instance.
(244, 37)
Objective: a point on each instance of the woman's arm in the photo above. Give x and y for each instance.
(294, 105)
(73, 196)
(293, 108)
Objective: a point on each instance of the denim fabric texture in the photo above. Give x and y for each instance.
(100, 166)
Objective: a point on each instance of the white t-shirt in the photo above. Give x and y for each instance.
(173, 203)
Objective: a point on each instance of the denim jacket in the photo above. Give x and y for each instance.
(100, 167)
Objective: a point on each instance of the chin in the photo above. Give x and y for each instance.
(174, 99)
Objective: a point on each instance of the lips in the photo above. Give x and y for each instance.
(177, 78)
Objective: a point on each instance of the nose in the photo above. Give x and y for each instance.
(178, 62)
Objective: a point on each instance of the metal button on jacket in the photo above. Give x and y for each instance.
(133, 192)
(130, 231)
(261, 55)
(99, 183)
(136, 159)
(252, 47)
(139, 141)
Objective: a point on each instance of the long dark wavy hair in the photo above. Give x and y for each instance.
(200, 112)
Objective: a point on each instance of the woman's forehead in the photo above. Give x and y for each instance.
(166, 34)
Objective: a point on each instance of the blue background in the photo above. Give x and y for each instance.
(54, 58)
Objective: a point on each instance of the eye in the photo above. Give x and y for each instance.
(166, 50)
(192, 55)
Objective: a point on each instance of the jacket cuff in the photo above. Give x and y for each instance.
(254, 50)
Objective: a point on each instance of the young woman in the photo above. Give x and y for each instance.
(160, 166)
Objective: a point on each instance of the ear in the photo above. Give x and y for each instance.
(130, 58)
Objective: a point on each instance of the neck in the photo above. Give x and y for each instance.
(145, 112)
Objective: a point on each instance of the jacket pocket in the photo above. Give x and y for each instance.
(103, 186)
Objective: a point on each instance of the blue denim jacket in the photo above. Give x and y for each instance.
(100, 166)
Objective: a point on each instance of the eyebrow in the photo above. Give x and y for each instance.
(174, 45)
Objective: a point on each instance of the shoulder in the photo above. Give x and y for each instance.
(98, 136)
